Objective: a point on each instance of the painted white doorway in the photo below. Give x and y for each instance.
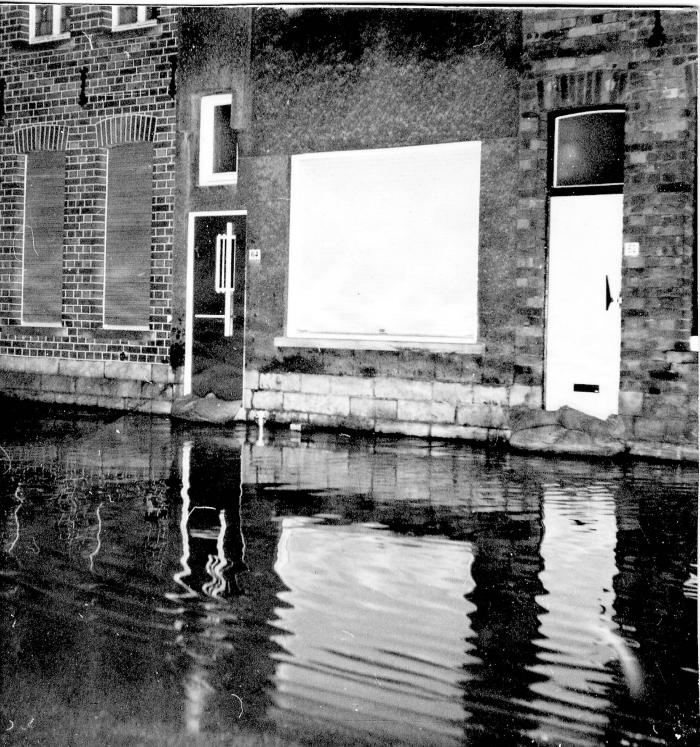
(582, 346)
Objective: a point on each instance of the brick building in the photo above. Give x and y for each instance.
(405, 221)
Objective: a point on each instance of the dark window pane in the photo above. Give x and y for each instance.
(127, 14)
(43, 237)
(590, 149)
(225, 141)
(64, 19)
(128, 251)
(151, 13)
(44, 20)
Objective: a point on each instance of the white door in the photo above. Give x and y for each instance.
(583, 309)
(582, 345)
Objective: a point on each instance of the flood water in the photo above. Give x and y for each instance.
(171, 584)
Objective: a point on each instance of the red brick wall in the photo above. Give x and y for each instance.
(647, 62)
(128, 72)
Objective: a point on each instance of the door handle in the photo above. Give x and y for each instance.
(608, 297)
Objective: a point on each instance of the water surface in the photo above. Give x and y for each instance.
(167, 584)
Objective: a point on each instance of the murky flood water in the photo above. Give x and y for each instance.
(168, 584)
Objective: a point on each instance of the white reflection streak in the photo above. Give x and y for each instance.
(93, 554)
(20, 499)
(197, 688)
(184, 517)
(216, 564)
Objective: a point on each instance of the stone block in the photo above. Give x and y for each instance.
(373, 408)
(251, 379)
(281, 382)
(14, 380)
(89, 369)
(490, 395)
(649, 429)
(84, 400)
(390, 388)
(341, 421)
(92, 387)
(162, 373)
(427, 412)
(466, 433)
(13, 362)
(482, 416)
(112, 403)
(658, 450)
(630, 403)
(247, 398)
(315, 384)
(41, 364)
(128, 370)
(352, 386)
(130, 389)
(267, 400)
(56, 383)
(523, 395)
(420, 430)
(454, 393)
(327, 404)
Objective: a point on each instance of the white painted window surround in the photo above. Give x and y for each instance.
(56, 34)
(208, 176)
(383, 249)
(142, 19)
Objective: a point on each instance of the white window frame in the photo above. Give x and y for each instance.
(141, 20)
(555, 175)
(207, 176)
(56, 33)
(300, 272)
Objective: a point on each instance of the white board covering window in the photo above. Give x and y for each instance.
(384, 244)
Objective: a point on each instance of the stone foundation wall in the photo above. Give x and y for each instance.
(434, 409)
(119, 385)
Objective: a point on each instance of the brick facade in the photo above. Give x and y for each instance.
(646, 61)
(390, 79)
(83, 94)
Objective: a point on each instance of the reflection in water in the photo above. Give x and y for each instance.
(386, 592)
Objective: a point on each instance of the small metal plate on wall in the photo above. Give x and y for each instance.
(593, 388)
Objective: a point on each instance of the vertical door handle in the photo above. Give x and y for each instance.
(608, 296)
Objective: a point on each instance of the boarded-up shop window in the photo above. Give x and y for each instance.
(128, 236)
(43, 238)
(384, 245)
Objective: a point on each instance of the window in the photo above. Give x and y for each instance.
(218, 143)
(383, 246)
(589, 149)
(47, 23)
(132, 16)
(128, 236)
(42, 263)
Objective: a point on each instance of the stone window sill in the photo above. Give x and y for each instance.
(475, 348)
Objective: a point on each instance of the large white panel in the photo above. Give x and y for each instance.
(384, 243)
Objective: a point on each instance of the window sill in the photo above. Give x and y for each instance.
(50, 330)
(49, 39)
(134, 26)
(219, 180)
(474, 348)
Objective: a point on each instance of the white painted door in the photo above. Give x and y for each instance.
(582, 353)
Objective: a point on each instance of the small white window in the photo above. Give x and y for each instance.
(126, 17)
(218, 143)
(47, 23)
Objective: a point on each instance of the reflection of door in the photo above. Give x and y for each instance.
(216, 305)
(582, 367)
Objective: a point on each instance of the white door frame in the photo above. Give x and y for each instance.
(189, 293)
(555, 190)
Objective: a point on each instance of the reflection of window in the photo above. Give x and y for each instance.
(47, 23)
(383, 245)
(589, 149)
(130, 16)
(43, 238)
(218, 143)
(128, 236)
